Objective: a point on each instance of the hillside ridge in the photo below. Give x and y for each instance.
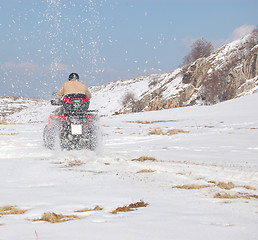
(229, 72)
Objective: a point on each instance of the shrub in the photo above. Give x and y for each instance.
(153, 83)
(129, 97)
(200, 48)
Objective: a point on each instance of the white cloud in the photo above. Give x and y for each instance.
(241, 31)
(236, 34)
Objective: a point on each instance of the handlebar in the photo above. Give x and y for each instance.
(55, 102)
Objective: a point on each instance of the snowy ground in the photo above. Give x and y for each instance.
(217, 154)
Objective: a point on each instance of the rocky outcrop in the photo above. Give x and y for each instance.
(229, 72)
(243, 78)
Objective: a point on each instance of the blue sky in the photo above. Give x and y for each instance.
(42, 41)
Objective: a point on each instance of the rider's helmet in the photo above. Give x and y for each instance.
(73, 76)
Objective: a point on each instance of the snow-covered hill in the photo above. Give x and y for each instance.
(200, 182)
(229, 72)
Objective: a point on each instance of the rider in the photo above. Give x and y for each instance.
(73, 86)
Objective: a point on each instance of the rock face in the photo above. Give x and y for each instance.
(244, 78)
(229, 72)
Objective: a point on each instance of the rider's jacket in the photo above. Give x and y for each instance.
(73, 86)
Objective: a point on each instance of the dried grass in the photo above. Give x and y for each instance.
(213, 182)
(119, 133)
(249, 196)
(158, 131)
(226, 186)
(151, 122)
(144, 158)
(74, 163)
(8, 210)
(36, 233)
(96, 208)
(146, 171)
(56, 218)
(248, 187)
(235, 196)
(4, 122)
(175, 131)
(60, 162)
(230, 185)
(223, 185)
(191, 186)
(8, 134)
(226, 195)
(130, 207)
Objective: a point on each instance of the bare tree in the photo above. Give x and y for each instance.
(129, 97)
(200, 48)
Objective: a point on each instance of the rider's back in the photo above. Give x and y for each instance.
(73, 86)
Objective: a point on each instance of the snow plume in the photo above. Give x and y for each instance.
(29, 79)
(81, 42)
(67, 39)
(53, 16)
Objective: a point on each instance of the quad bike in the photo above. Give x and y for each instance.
(72, 126)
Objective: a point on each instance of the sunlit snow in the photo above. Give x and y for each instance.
(218, 147)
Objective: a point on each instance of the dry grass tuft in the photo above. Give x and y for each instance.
(237, 195)
(96, 208)
(74, 163)
(138, 204)
(56, 218)
(158, 131)
(191, 186)
(248, 187)
(226, 195)
(213, 182)
(146, 171)
(7, 210)
(130, 207)
(151, 122)
(249, 196)
(4, 122)
(230, 185)
(60, 162)
(226, 186)
(144, 158)
(8, 134)
(176, 131)
(206, 126)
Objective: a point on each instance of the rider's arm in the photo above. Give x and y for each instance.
(60, 93)
(87, 92)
